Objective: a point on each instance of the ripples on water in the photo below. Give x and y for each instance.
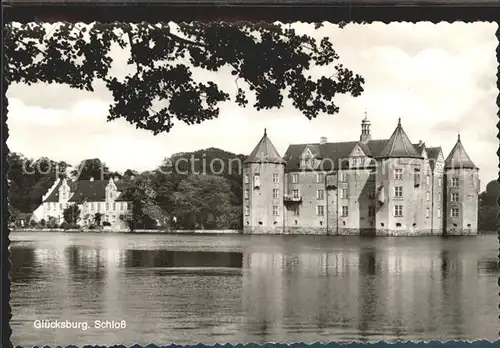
(190, 289)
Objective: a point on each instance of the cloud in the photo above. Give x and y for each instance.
(439, 78)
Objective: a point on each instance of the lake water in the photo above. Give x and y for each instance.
(217, 289)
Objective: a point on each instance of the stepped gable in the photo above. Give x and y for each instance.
(458, 158)
(264, 152)
(54, 195)
(399, 145)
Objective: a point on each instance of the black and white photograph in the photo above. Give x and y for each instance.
(252, 182)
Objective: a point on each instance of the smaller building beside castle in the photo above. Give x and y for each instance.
(91, 196)
(365, 187)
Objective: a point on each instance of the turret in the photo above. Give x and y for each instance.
(263, 186)
(365, 130)
(398, 184)
(462, 192)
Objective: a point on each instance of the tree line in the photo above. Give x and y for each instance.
(189, 195)
(171, 196)
(488, 208)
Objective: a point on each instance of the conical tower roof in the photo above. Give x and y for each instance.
(399, 145)
(458, 158)
(264, 152)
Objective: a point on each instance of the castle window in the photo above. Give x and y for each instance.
(92, 206)
(121, 206)
(439, 197)
(345, 211)
(98, 206)
(320, 194)
(440, 182)
(296, 211)
(320, 210)
(454, 182)
(454, 196)
(256, 180)
(247, 194)
(295, 178)
(428, 196)
(371, 210)
(107, 206)
(398, 191)
(276, 193)
(439, 213)
(247, 179)
(276, 178)
(398, 210)
(247, 210)
(398, 224)
(416, 176)
(454, 212)
(276, 210)
(114, 206)
(427, 212)
(428, 180)
(320, 178)
(60, 206)
(343, 177)
(343, 193)
(295, 193)
(398, 173)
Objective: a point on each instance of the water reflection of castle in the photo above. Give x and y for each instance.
(360, 286)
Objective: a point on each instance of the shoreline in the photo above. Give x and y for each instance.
(138, 231)
(200, 232)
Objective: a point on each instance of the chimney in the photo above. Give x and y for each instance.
(420, 143)
(116, 178)
(323, 140)
(91, 178)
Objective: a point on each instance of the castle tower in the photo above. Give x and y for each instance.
(398, 185)
(462, 189)
(365, 130)
(263, 186)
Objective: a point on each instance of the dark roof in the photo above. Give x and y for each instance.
(331, 153)
(54, 195)
(419, 147)
(264, 152)
(86, 190)
(433, 152)
(399, 145)
(458, 158)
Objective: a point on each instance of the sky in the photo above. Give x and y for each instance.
(439, 78)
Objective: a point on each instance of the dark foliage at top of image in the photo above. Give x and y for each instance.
(269, 62)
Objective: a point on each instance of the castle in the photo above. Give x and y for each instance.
(365, 187)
